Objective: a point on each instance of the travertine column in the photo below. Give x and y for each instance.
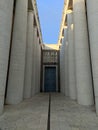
(62, 66)
(83, 70)
(37, 65)
(17, 61)
(66, 62)
(34, 62)
(6, 9)
(29, 56)
(71, 57)
(92, 12)
(60, 69)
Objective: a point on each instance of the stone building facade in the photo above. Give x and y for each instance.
(20, 51)
(78, 43)
(50, 68)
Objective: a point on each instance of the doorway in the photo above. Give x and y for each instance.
(50, 79)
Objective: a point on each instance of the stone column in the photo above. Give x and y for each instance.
(29, 56)
(17, 61)
(62, 82)
(60, 69)
(83, 70)
(37, 66)
(6, 12)
(92, 12)
(34, 62)
(71, 56)
(66, 62)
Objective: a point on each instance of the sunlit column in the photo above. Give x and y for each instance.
(71, 56)
(17, 61)
(66, 62)
(83, 70)
(6, 9)
(29, 56)
(92, 12)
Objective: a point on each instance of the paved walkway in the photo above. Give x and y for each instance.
(33, 114)
(68, 115)
(29, 115)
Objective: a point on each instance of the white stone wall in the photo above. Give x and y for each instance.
(6, 12)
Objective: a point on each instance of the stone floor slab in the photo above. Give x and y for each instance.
(31, 114)
(68, 115)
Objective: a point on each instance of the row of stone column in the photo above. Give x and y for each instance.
(78, 76)
(24, 69)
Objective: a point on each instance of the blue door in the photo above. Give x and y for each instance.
(50, 79)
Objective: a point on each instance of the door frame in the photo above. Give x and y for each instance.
(50, 66)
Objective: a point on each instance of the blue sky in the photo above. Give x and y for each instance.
(50, 13)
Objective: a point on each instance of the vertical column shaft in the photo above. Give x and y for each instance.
(37, 65)
(29, 56)
(83, 70)
(66, 62)
(17, 61)
(34, 62)
(6, 9)
(71, 54)
(92, 12)
(62, 66)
